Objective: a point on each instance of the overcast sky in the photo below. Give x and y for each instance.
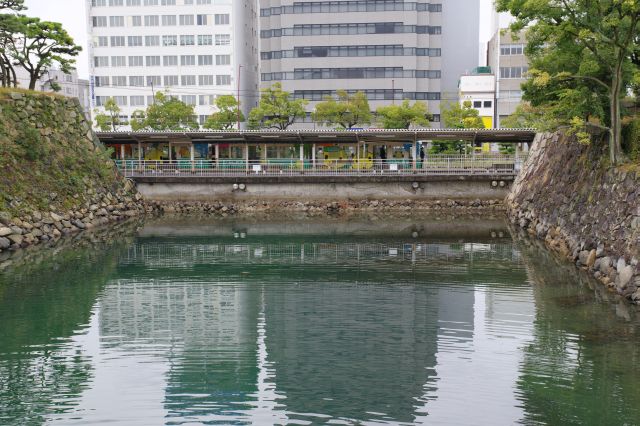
(72, 15)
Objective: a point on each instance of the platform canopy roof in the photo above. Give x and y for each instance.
(318, 136)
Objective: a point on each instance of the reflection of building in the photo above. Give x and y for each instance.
(391, 50)
(506, 57)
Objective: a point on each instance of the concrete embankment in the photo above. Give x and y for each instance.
(582, 208)
(56, 177)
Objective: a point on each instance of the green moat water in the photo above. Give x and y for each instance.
(189, 321)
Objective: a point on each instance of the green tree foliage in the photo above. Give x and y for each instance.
(138, 118)
(528, 116)
(37, 45)
(169, 113)
(109, 118)
(276, 109)
(228, 114)
(9, 25)
(404, 115)
(583, 56)
(456, 116)
(345, 110)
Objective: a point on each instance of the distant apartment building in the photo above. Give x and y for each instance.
(389, 49)
(479, 88)
(194, 50)
(65, 84)
(505, 55)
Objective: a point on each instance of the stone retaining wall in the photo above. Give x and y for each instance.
(583, 209)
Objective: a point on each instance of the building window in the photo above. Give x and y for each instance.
(350, 51)
(135, 41)
(168, 2)
(189, 99)
(187, 20)
(120, 100)
(151, 20)
(117, 41)
(136, 100)
(477, 104)
(101, 81)
(511, 49)
(99, 21)
(116, 21)
(103, 41)
(206, 99)
(188, 80)
(205, 60)
(133, 2)
(118, 61)
(513, 72)
(223, 59)
(152, 40)
(187, 60)
(223, 39)
(153, 80)
(169, 20)
(350, 6)
(170, 80)
(150, 2)
(205, 80)
(101, 61)
(136, 21)
(136, 61)
(98, 3)
(204, 40)
(223, 80)
(101, 100)
(116, 2)
(119, 80)
(187, 40)
(153, 61)
(203, 19)
(169, 40)
(350, 29)
(136, 81)
(222, 19)
(170, 61)
(203, 2)
(486, 104)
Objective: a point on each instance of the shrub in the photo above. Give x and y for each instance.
(631, 138)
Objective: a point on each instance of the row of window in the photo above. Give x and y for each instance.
(511, 94)
(350, 29)
(351, 51)
(350, 73)
(103, 3)
(165, 40)
(167, 80)
(372, 94)
(482, 104)
(350, 6)
(156, 20)
(141, 100)
(511, 49)
(167, 60)
(513, 72)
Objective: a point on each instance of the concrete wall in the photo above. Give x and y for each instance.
(433, 190)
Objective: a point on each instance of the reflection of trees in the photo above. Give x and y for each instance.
(42, 305)
(581, 366)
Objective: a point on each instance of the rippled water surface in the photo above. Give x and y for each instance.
(187, 321)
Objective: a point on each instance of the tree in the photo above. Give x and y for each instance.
(110, 118)
(404, 115)
(276, 109)
(528, 116)
(227, 115)
(169, 113)
(602, 39)
(138, 118)
(456, 116)
(37, 45)
(346, 111)
(9, 24)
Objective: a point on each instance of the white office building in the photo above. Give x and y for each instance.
(191, 49)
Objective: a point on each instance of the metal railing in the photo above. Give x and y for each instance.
(447, 165)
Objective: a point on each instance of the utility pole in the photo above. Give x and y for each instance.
(238, 106)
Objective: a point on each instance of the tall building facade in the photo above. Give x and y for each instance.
(194, 50)
(390, 49)
(505, 55)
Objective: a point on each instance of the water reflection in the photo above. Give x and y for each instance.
(245, 322)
